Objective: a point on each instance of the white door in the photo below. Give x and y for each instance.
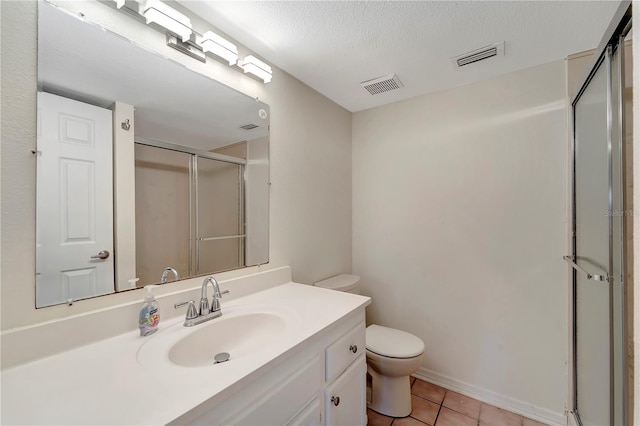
(74, 201)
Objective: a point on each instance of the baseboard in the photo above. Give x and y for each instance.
(501, 401)
(571, 420)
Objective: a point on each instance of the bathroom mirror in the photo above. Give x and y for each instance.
(145, 169)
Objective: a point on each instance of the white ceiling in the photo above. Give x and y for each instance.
(332, 46)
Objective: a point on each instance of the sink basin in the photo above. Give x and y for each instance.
(240, 332)
(238, 336)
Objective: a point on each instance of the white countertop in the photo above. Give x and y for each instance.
(105, 383)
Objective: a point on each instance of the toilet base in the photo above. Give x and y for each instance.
(390, 396)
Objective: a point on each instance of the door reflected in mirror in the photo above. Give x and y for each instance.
(183, 192)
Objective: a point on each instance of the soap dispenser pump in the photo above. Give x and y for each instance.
(149, 313)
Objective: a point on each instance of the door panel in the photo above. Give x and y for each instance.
(74, 144)
(345, 398)
(592, 251)
(600, 180)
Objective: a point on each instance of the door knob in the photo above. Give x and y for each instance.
(103, 254)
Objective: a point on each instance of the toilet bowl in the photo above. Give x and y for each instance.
(392, 355)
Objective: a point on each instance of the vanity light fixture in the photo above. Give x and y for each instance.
(212, 42)
(255, 66)
(167, 17)
(119, 3)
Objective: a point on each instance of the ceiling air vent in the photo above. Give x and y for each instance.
(249, 126)
(382, 84)
(478, 55)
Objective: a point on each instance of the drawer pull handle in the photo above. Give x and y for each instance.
(353, 348)
(335, 400)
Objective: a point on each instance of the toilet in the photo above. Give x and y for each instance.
(392, 355)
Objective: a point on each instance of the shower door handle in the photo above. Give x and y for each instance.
(578, 268)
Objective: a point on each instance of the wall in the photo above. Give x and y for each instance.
(310, 200)
(162, 203)
(459, 228)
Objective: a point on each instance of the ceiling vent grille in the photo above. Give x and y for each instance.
(478, 55)
(249, 126)
(382, 84)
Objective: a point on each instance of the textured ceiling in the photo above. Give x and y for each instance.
(334, 45)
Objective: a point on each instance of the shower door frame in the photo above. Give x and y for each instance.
(194, 238)
(613, 40)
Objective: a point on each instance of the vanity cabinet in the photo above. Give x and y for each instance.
(321, 383)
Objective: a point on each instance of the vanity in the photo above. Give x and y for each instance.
(296, 352)
(297, 356)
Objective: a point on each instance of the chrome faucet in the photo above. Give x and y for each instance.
(165, 274)
(205, 313)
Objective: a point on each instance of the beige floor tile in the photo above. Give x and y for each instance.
(429, 391)
(494, 416)
(462, 404)
(423, 410)
(407, 421)
(529, 422)
(451, 418)
(376, 419)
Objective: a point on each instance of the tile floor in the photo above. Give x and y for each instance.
(436, 406)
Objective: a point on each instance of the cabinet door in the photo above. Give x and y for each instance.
(344, 398)
(310, 416)
(281, 401)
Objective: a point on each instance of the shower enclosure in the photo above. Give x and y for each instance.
(601, 233)
(197, 200)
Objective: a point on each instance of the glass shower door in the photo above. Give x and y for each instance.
(592, 214)
(599, 232)
(219, 222)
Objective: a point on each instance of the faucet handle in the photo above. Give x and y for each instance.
(192, 313)
(215, 300)
(218, 296)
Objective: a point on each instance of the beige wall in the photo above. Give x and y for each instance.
(310, 200)
(459, 228)
(162, 213)
(238, 150)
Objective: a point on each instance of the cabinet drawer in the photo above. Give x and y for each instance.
(343, 351)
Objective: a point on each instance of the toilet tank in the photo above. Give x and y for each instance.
(342, 282)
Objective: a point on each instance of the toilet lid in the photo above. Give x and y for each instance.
(393, 343)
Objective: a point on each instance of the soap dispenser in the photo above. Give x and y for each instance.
(149, 313)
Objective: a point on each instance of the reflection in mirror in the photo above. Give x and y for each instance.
(179, 190)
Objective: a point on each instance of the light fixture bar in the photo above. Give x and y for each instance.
(167, 17)
(255, 66)
(212, 42)
(185, 47)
